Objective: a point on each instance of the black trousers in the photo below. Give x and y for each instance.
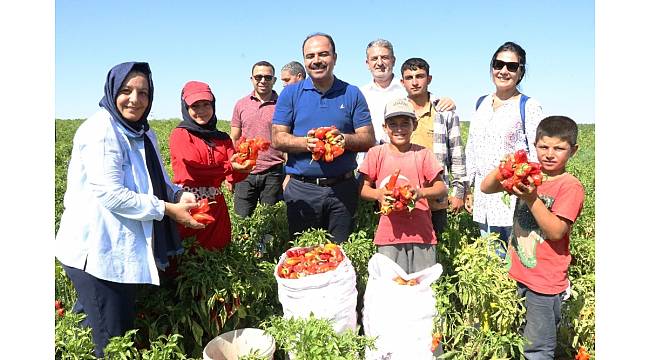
(109, 306)
(439, 220)
(322, 207)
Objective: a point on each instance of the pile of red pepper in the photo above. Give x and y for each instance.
(248, 149)
(328, 146)
(401, 281)
(402, 197)
(515, 168)
(200, 213)
(301, 262)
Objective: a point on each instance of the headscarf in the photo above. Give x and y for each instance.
(207, 131)
(166, 240)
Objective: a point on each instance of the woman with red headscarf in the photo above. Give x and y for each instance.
(202, 158)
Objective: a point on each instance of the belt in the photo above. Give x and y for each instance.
(203, 192)
(324, 181)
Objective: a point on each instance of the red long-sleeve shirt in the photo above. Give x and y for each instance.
(199, 164)
(196, 164)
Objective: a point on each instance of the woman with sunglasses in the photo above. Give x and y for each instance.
(504, 122)
(202, 157)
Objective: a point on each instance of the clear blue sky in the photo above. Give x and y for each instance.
(218, 41)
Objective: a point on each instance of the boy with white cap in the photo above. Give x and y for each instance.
(406, 237)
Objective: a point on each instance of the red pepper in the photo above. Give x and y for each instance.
(393, 180)
(520, 156)
(537, 178)
(522, 170)
(582, 354)
(204, 206)
(321, 131)
(203, 218)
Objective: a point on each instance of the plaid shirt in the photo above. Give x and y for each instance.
(442, 134)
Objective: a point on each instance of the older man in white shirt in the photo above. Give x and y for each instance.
(384, 87)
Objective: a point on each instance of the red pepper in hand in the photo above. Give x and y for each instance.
(393, 180)
(520, 156)
(248, 149)
(203, 218)
(327, 147)
(200, 213)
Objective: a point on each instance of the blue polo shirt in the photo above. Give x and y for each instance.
(302, 107)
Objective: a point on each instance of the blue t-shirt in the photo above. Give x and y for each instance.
(302, 108)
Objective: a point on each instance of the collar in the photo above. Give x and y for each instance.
(274, 97)
(427, 108)
(308, 84)
(395, 83)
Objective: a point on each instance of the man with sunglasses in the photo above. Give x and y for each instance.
(321, 194)
(440, 132)
(251, 118)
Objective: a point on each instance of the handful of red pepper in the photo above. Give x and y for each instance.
(328, 147)
(200, 213)
(515, 169)
(301, 262)
(402, 197)
(248, 149)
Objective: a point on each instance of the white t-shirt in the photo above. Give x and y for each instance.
(377, 98)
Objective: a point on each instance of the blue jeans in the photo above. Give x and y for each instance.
(542, 319)
(500, 247)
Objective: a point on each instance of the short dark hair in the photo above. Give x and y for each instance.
(318, 34)
(414, 64)
(515, 48)
(558, 126)
(294, 68)
(263, 63)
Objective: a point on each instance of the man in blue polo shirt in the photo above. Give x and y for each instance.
(319, 194)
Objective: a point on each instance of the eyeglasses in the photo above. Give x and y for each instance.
(259, 78)
(511, 66)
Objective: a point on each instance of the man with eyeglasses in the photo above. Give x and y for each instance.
(251, 118)
(440, 132)
(292, 72)
(321, 194)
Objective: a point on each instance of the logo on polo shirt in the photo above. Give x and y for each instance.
(342, 106)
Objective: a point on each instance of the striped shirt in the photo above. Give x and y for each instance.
(440, 132)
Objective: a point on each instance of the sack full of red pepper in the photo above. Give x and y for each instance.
(401, 198)
(248, 149)
(320, 280)
(301, 262)
(328, 146)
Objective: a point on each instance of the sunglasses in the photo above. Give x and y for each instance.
(512, 66)
(259, 78)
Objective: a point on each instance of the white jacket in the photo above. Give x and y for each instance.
(107, 223)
